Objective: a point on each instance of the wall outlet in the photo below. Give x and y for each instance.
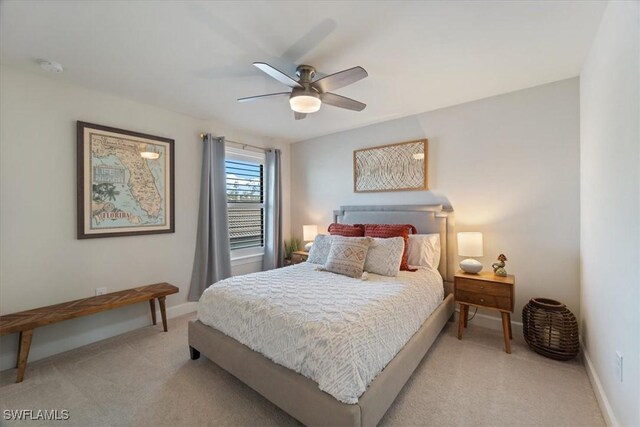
(101, 291)
(619, 365)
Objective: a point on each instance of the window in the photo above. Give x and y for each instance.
(245, 199)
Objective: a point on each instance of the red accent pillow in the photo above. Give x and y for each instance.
(346, 230)
(393, 230)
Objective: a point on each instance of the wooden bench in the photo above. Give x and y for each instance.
(25, 322)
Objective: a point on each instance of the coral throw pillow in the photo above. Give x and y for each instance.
(346, 230)
(393, 230)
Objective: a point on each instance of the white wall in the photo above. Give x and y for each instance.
(610, 211)
(41, 262)
(508, 165)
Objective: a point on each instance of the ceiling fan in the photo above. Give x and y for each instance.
(307, 95)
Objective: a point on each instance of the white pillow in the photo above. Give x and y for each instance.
(424, 250)
(320, 249)
(384, 256)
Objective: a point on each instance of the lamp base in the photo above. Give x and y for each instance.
(307, 247)
(471, 266)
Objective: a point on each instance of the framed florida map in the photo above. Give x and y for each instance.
(125, 182)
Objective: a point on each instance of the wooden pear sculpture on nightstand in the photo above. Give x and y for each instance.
(498, 267)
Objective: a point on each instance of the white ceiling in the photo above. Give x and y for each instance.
(195, 57)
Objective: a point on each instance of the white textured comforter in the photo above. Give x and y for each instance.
(338, 331)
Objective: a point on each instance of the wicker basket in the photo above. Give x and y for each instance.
(550, 329)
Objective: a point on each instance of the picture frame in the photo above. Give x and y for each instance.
(401, 166)
(125, 182)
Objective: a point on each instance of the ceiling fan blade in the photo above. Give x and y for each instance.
(299, 116)
(310, 40)
(342, 101)
(277, 74)
(253, 98)
(340, 79)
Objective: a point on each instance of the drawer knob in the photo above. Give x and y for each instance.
(481, 299)
(481, 286)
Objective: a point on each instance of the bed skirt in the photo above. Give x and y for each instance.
(300, 396)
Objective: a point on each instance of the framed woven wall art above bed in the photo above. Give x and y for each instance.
(392, 167)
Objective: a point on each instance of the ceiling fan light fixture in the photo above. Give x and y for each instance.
(305, 103)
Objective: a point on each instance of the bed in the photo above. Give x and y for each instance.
(324, 376)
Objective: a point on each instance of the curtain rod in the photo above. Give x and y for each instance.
(239, 143)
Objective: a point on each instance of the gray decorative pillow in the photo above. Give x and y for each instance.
(347, 255)
(320, 249)
(385, 256)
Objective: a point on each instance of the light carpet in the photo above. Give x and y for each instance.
(145, 378)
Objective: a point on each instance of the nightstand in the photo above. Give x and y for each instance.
(485, 290)
(299, 256)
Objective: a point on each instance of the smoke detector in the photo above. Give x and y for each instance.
(50, 66)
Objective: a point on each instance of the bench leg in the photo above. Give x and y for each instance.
(152, 304)
(163, 312)
(23, 353)
(19, 349)
(195, 354)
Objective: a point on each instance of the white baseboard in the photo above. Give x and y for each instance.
(601, 397)
(179, 310)
(492, 322)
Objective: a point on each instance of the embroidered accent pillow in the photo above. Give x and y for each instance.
(347, 255)
(346, 230)
(384, 256)
(424, 250)
(393, 230)
(320, 249)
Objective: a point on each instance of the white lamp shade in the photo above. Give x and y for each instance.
(309, 232)
(470, 244)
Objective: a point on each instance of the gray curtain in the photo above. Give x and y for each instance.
(273, 245)
(213, 257)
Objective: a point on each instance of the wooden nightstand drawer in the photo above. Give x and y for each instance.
(483, 299)
(484, 287)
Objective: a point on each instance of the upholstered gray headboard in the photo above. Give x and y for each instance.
(426, 218)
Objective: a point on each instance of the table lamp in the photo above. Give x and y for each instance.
(309, 233)
(470, 245)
